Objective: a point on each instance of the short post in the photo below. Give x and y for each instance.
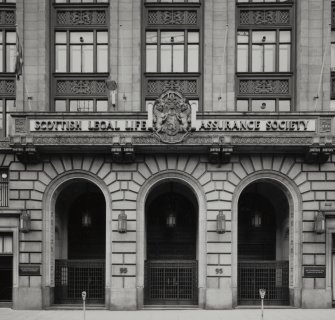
(262, 293)
(83, 295)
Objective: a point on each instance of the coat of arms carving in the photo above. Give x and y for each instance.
(171, 117)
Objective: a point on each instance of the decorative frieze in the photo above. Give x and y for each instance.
(81, 17)
(265, 17)
(80, 87)
(264, 87)
(172, 17)
(7, 87)
(7, 17)
(186, 87)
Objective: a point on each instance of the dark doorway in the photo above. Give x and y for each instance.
(171, 228)
(80, 244)
(6, 278)
(263, 235)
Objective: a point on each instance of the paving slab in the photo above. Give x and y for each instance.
(236, 314)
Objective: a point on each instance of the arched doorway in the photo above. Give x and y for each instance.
(263, 244)
(171, 267)
(80, 243)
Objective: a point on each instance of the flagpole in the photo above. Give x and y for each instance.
(19, 69)
(322, 67)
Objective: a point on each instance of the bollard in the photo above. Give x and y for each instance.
(83, 295)
(262, 293)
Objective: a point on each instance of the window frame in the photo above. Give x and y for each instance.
(275, 75)
(78, 76)
(197, 77)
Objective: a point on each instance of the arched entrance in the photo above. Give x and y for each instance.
(171, 267)
(80, 243)
(263, 244)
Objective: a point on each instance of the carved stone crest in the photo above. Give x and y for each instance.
(171, 117)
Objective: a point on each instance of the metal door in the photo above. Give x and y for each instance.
(171, 282)
(75, 276)
(270, 275)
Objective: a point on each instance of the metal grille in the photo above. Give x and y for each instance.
(171, 282)
(270, 275)
(3, 187)
(72, 277)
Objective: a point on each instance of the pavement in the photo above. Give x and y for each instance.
(236, 314)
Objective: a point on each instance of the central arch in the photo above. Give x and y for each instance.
(157, 188)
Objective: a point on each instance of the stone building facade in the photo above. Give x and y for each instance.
(154, 186)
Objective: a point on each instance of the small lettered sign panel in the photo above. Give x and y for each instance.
(314, 272)
(29, 270)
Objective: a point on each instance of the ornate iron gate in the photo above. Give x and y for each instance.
(72, 277)
(171, 282)
(270, 275)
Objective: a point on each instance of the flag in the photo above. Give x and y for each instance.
(19, 58)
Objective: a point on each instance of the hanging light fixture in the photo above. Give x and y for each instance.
(256, 220)
(171, 216)
(86, 216)
(86, 219)
(319, 223)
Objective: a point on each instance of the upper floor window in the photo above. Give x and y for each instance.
(172, 51)
(82, 52)
(81, 55)
(264, 55)
(264, 51)
(4, 173)
(173, 1)
(262, 1)
(172, 48)
(7, 51)
(81, 1)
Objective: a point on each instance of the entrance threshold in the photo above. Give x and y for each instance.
(77, 306)
(170, 307)
(265, 307)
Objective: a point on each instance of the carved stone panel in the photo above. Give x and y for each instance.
(186, 87)
(7, 17)
(80, 87)
(7, 87)
(20, 125)
(173, 17)
(265, 17)
(81, 17)
(264, 87)
(171, 117)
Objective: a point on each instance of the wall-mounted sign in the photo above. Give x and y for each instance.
(230, 125)
(29, 270)
(314, 272)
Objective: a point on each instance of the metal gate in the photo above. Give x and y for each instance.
(270, 275)
(171, 282)
(72, 277)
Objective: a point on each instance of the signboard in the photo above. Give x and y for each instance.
(229, 125)
(314, 272)
(29, 270)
